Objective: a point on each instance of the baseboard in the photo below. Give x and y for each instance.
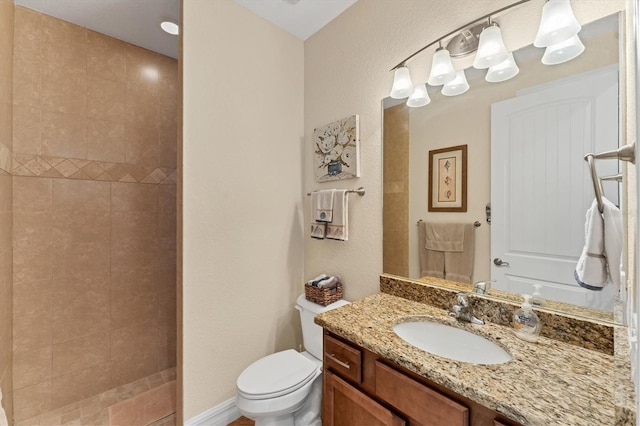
(220, 415)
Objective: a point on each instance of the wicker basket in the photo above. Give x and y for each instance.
(323, 296)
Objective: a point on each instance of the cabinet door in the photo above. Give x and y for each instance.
(345, 405)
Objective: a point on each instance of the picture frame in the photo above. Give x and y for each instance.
(337, 150)
(448, 179)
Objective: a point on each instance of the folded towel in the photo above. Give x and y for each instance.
(444, 236)
(322, 205)
(338, 229)
(317, 279)
(458, 265)
(318, 230)
(599, 262)
(431, 261)
(330, 282)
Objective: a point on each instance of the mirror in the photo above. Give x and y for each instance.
(410, 133)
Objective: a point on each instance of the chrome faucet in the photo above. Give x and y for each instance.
(462, 310)
(482, 287)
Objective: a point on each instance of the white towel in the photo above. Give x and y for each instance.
(318, 230)
(338, 229)
(322, 205)
(599, 263)
(3, 415)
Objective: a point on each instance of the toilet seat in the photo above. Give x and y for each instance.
(275, 375)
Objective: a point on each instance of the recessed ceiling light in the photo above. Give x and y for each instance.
(170, 27)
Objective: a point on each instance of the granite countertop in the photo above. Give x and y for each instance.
(545, 383)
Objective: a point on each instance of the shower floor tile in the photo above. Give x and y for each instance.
(94, 411)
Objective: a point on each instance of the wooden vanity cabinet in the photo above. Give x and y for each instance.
(364, 389)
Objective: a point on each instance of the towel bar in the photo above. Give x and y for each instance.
(625, 153)
(360, 191)
(476, 224)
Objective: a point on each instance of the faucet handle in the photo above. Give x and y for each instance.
(463, 299)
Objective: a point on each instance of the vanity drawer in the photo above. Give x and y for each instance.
(343, 359)
(418, 401)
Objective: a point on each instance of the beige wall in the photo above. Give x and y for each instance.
(94, 136)
(242, 190)
(347, 72)
(6, 252)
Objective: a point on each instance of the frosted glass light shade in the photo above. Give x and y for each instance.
(419, 97)
(442, 70)
(503, 71)
(491, 48)
(402, 85)
(558, 23)
(563, 52)
(458, 86)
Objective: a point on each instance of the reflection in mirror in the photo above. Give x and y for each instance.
(538, 194)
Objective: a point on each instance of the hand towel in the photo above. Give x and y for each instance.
(444, 236)
(318, 230)
(316, 280)
(3, 415)
(599, 262)
(322, 205)
(431, 261)
(338, 229)
(458, 265)
(330, 282)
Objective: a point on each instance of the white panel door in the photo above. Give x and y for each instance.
(541, 187)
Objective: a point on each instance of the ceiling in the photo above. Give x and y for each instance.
(138, 21)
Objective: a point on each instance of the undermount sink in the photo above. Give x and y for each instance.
(451, 342)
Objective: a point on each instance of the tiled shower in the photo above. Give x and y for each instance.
(91, 165)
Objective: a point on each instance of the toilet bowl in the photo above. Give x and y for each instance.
(285, 388)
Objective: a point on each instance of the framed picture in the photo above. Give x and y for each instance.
(448, 179)
(336, 148)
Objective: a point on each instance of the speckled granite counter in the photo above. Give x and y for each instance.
(548, 383)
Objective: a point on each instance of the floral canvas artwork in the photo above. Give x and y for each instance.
(336, 150)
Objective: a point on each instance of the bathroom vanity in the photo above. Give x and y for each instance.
(374, 377)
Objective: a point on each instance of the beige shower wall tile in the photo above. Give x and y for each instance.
(105, 99)
(31, 332)
(168, 76)
(31, 298)
(81, 319)
(134, 197)
(32, 401)
(32, 229)
(134, 338)
(32, 263)
(105, 141)
(31, 367)
(80, 354)
(6, 193)
(79, 385)
(80, 195)
(64, 91)
(135, 228)
(167, 198)
(32, 194)
(133, 304)
(142, 67)
(64, 135)
(129, 368)
(105, 56)
(64, 44)
(141, 144)
(82, 258)
(28, 34)
(27, 130)
(80, 290)
(84, 226)
(167, 143)
(141, 109)
(27, 81)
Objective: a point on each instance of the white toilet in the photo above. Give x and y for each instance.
(285, 388)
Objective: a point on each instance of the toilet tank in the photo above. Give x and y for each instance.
(312, 332)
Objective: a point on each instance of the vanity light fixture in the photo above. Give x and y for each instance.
(402, 85)
(558, 23)
(503, 71)
(491, 48)
(419, 97)
(457, 86)
(170, 27)
(557, 33)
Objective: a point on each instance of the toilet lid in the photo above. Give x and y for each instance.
(275, 375)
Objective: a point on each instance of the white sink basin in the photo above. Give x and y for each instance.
(450, 342)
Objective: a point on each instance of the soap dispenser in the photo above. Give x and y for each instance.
(536, 297)
(526, 322)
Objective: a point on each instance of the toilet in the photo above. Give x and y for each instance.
(285, 388)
